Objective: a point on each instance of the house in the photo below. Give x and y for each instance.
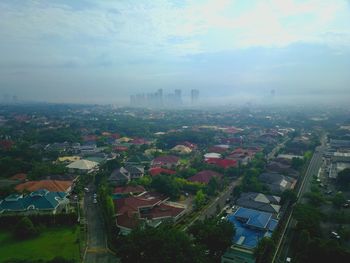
(40, 201)
(68, 159)
(89, 148)
(19, 177)
(208, 156)
(128, 190)
(223, 163)
(281, 166)
(221, 148)
(50, 185)
(167, 161)
(83, 166)
(159, 170)
(251, 226)
(261, 202)
(181, 149)
(148, 209)
(204, 177)
(236, 254)
(243, 156)
(277, 183)
(139, 141)
(123, 175)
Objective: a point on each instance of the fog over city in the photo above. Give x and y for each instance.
(230, 51)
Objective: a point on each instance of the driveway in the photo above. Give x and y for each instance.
(96, 250)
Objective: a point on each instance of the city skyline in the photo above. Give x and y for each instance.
(231, 51)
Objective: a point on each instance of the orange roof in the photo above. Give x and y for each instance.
(50, 185)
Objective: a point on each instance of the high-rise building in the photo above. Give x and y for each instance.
(194, 96)
(178, 98)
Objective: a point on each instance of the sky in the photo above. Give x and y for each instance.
(99, 51)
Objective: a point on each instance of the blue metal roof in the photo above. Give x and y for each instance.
(251, 226)
(253, 217)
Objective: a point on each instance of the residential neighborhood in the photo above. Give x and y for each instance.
(110, 185)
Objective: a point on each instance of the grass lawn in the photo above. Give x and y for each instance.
(52, 242)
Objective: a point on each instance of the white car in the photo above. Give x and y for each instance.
(95, 201)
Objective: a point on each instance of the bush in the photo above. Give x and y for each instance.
(25, 229)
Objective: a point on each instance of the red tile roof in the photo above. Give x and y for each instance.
(224, 163)
(139, 141)
(163, 210)
(127, 221)
(115, 136)
(121, 148)
(204, 176)
(6, 144)
(91, 137)
(129, 189)
(50, 185)
(158, 170)
(19, 176)
(217, 149)
(132, 204)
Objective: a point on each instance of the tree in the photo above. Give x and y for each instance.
(167, 185)
(25, 229)
(315, 198)
(297, 163)
(213, 186)
(301, 246)
(199, 199)
(338, 200)
(290, 196)
(343, 178)
(215, 236)
(163, 244)
(308, 218)
(264, 251)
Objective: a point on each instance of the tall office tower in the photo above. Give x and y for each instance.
(132, 100)
(178, 99)
(160, 97)
(194, 96)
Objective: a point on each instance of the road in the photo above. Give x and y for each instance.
(211, 210)
(97, 250)
(282, 251)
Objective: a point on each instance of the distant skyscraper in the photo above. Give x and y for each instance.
(194, 96)
(178, 98)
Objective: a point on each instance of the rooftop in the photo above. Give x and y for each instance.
(50, 185)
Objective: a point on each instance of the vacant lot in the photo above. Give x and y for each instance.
(52, 242)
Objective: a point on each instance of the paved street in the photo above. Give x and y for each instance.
(220, 200)
(313, 168)
(97, 239)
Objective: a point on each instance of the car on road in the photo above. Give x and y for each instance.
(95, 195)
(95, 201)
(86, 189)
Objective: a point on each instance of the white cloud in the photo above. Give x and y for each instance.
(160, 29)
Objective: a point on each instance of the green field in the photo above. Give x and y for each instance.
(52, 242)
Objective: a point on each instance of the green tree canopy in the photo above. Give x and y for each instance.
(213, 236)
(163, 244)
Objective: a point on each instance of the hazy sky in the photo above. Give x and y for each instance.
(104, 51)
